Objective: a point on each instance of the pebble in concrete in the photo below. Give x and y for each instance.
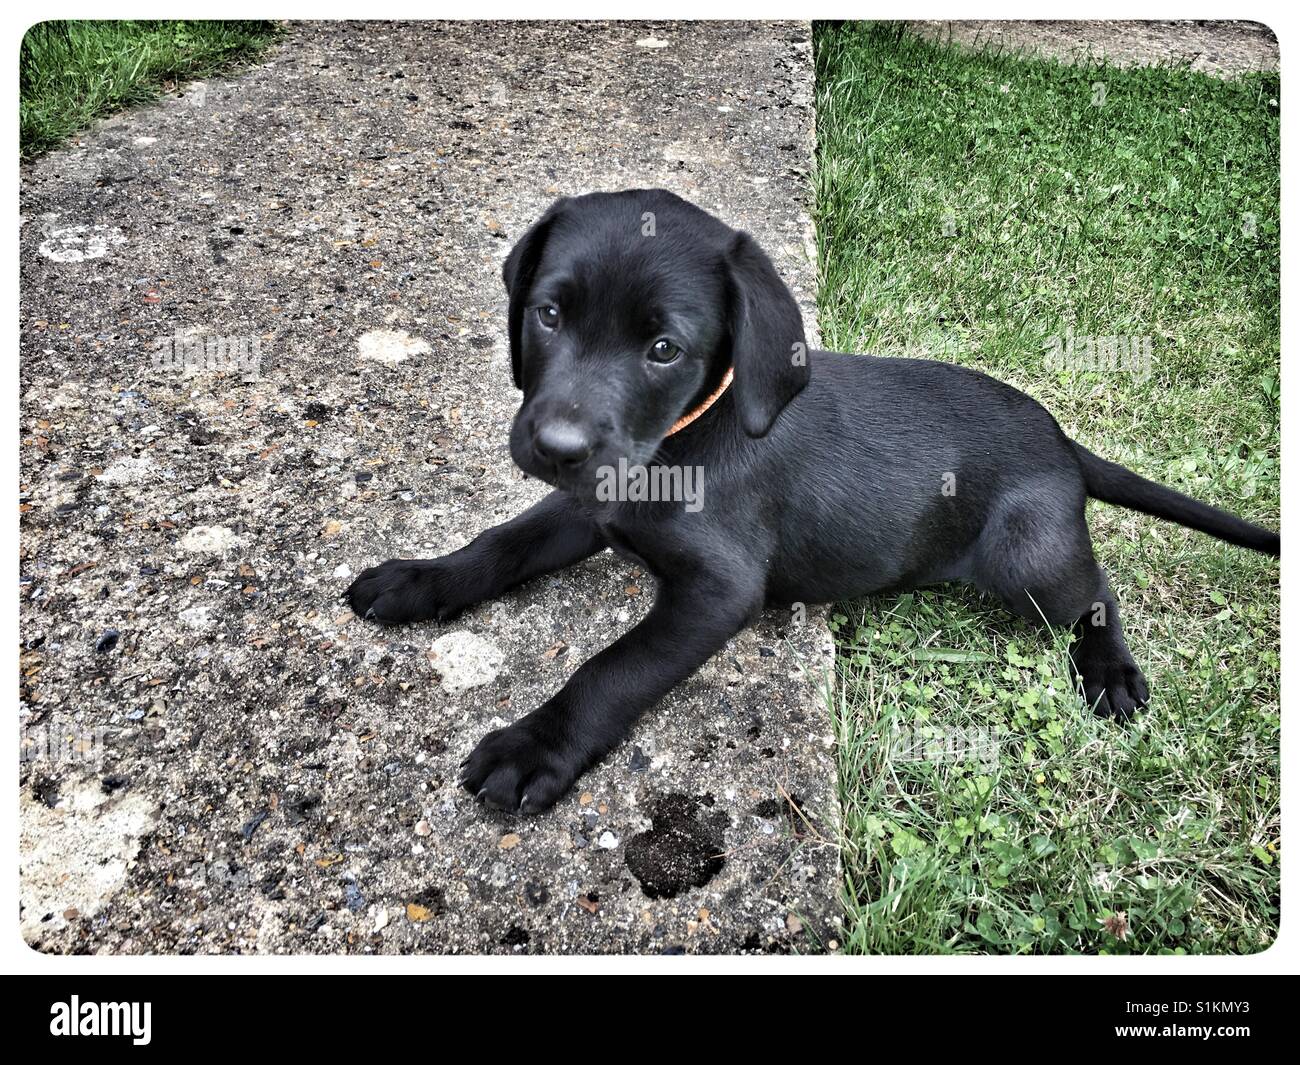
(463, 660)
(390, 346)
(76, 244)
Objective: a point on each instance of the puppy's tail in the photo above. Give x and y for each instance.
(1112, 483)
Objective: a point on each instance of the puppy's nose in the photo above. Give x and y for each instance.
(563, 443)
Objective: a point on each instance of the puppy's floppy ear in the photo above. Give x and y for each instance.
(768, 347)
(517, 273)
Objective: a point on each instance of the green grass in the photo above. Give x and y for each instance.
(72, 73)
(971, 206)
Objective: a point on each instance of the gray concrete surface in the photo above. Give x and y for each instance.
(1223, 47)
(220, 758)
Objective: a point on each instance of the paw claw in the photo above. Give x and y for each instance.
(1113, 687)
(519, 770)
(405, 590)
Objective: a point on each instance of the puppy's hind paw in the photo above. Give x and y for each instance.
(1115, 689)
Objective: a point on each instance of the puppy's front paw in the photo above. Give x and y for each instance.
(518, 770)
(402, 590)
(1114, 688)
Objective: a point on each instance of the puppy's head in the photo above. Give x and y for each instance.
(626, 310)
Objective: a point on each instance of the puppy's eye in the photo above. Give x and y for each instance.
(549, 316)
(663, 350)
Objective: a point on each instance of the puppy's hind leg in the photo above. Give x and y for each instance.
(1037, 557)
(1112, 682)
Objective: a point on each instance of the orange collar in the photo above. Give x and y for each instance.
(686, 419)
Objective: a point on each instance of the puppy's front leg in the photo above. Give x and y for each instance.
(547, 536)
(532, 763)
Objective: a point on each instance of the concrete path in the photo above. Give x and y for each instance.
(1224, 47)
(223, 758)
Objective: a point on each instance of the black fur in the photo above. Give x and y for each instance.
(825, 477)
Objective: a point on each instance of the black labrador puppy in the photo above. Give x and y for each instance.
(648, 336)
